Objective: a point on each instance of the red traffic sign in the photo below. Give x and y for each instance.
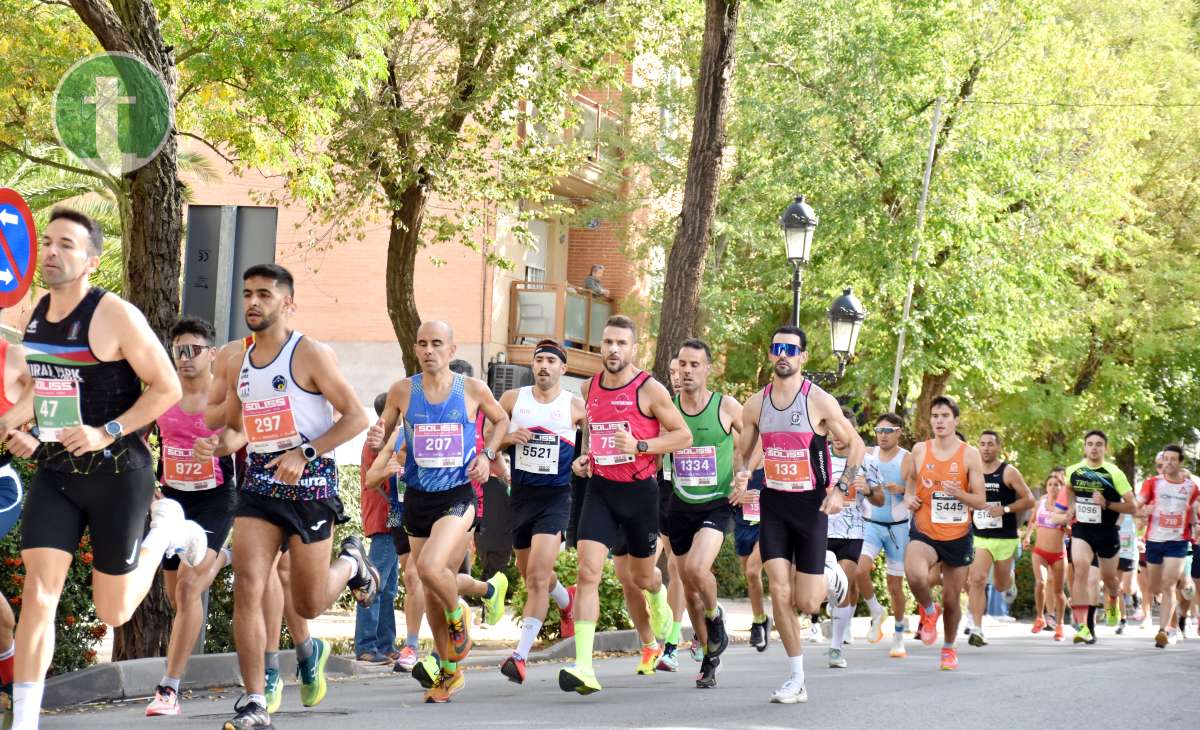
(18, 247)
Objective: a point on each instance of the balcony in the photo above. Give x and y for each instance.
(597, 128)
(571, 315)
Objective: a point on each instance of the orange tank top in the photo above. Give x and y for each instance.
(941, 516)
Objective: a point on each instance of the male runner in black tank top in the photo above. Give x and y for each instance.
(100, 375)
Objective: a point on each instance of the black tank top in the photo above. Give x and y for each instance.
(61, 361)
(998, 491)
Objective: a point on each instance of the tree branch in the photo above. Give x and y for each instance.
(104, 23)
(232, 162)
(53, 163)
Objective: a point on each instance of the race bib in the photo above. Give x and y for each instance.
(1087, 511)
(540, 455)
(984, 521)
(787, 470)
(438, 445)
(182, 471)
(751, 508)
(1169, 526)
(604, 444)
(270, 426)
(56, 405)
(696, 466)
(947, 510)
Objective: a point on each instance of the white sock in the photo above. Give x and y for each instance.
(529, 630)
(875, 606)
(841, 624)
(260, 700)
(559, 593)
(156, 542)
(797, 663)
(172, 682)
(228, 553)
(352, 563)
(27, 704)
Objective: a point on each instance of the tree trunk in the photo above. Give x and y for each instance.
(408, 213)
(686, 262)
(152, 228)
(1126, 460)
(932, 385)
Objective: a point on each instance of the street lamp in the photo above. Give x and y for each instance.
(846, 316)
(799, 222)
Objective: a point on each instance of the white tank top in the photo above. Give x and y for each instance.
(546, 460)
(276, 412)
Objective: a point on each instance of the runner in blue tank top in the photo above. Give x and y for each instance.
(439, 410)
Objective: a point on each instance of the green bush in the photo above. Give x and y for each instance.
(1024, 607)
(77, 630)
(727, 569)
(612, 600)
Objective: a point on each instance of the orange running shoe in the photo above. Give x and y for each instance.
(927, 628)
(650, 655)
(1038, 624)
(460, 638)
(1058, 633)
(949, 658)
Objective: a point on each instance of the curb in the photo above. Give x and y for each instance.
(136, 678)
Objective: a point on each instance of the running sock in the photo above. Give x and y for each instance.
(530, 627)
(797, 663)
(305, 650)
(841, 623)
(271, 660)
(1091, 619)
(172, 682)
(902, 625)
(708, 613)
(411, 640)
(489, 591)
(351, 562)
(559, 593)
(676, 633)
(585, 637)
(27, 704)
(874, 604)
(228, 553)
(260, 700)
(6, 664)
(448, 667)
(456, 614)
(760, 618)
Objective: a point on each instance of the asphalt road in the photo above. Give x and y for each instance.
(1017, 681)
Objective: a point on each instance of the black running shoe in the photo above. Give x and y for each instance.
(364, 584)
(718, 639)
(977, 639)
(250, 716)
(707, 678)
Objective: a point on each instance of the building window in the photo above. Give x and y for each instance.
(535, 274)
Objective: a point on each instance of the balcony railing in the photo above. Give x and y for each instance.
(571, 315)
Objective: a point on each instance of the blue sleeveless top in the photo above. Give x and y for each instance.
(440, 438)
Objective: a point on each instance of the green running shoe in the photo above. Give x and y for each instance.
(493, 608)
(274, 691)
(574, 679)
(427, 671)
(312, 675)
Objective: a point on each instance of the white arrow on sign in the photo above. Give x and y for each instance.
(8, 219)
(6, 276)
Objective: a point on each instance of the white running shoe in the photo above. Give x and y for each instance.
(875, 633)
(898, 651)
(814, 634)
(189, 542)
(791, 693)
(835, 581)
(166, 514)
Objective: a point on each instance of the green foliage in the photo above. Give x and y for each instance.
(77, 630)
(613, 615)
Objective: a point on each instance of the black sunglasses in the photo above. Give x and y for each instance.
(187, 352)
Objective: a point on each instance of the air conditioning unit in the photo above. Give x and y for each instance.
(506, 376)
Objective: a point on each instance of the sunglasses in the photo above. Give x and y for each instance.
(886, 429)
(785, 349)
(187, 352)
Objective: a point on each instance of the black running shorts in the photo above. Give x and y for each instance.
(112, 507)
(845, 549)
(794, 528)
(538, 511)
(311, 520)
(422, 509)
(686, 519)
(621, 515)
(956, 553)
(1105, 540)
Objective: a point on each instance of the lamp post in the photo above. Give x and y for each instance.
(799, 222)
(846, 314)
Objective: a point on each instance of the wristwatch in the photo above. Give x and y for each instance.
(1007, 509)
(114, 429)
(642, 447)
(843, 487)
(308, 451)
(490, 454)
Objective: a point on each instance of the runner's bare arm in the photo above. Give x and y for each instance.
(395, 404)
(1016, 482)
(385, 464)
(674, 433)
(908, 472)
(508, 399)
(18, 390)
(747, 443)
(975, 495)
(829, 412)
(214, 410)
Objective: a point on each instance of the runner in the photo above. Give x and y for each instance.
(796, 419)
(886, 530)
(745, 545)
(669, 660)
(1169, 503)
(99, 376)
(543, 419)
(1099, 491)
(204, 487)
(631, 420)
(944, 483)
(16, 409)
(995, 530)
(700, 513)
(846, 536)
(279, 398)
(440, 411)
(1048, 527)
(1127, 567)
